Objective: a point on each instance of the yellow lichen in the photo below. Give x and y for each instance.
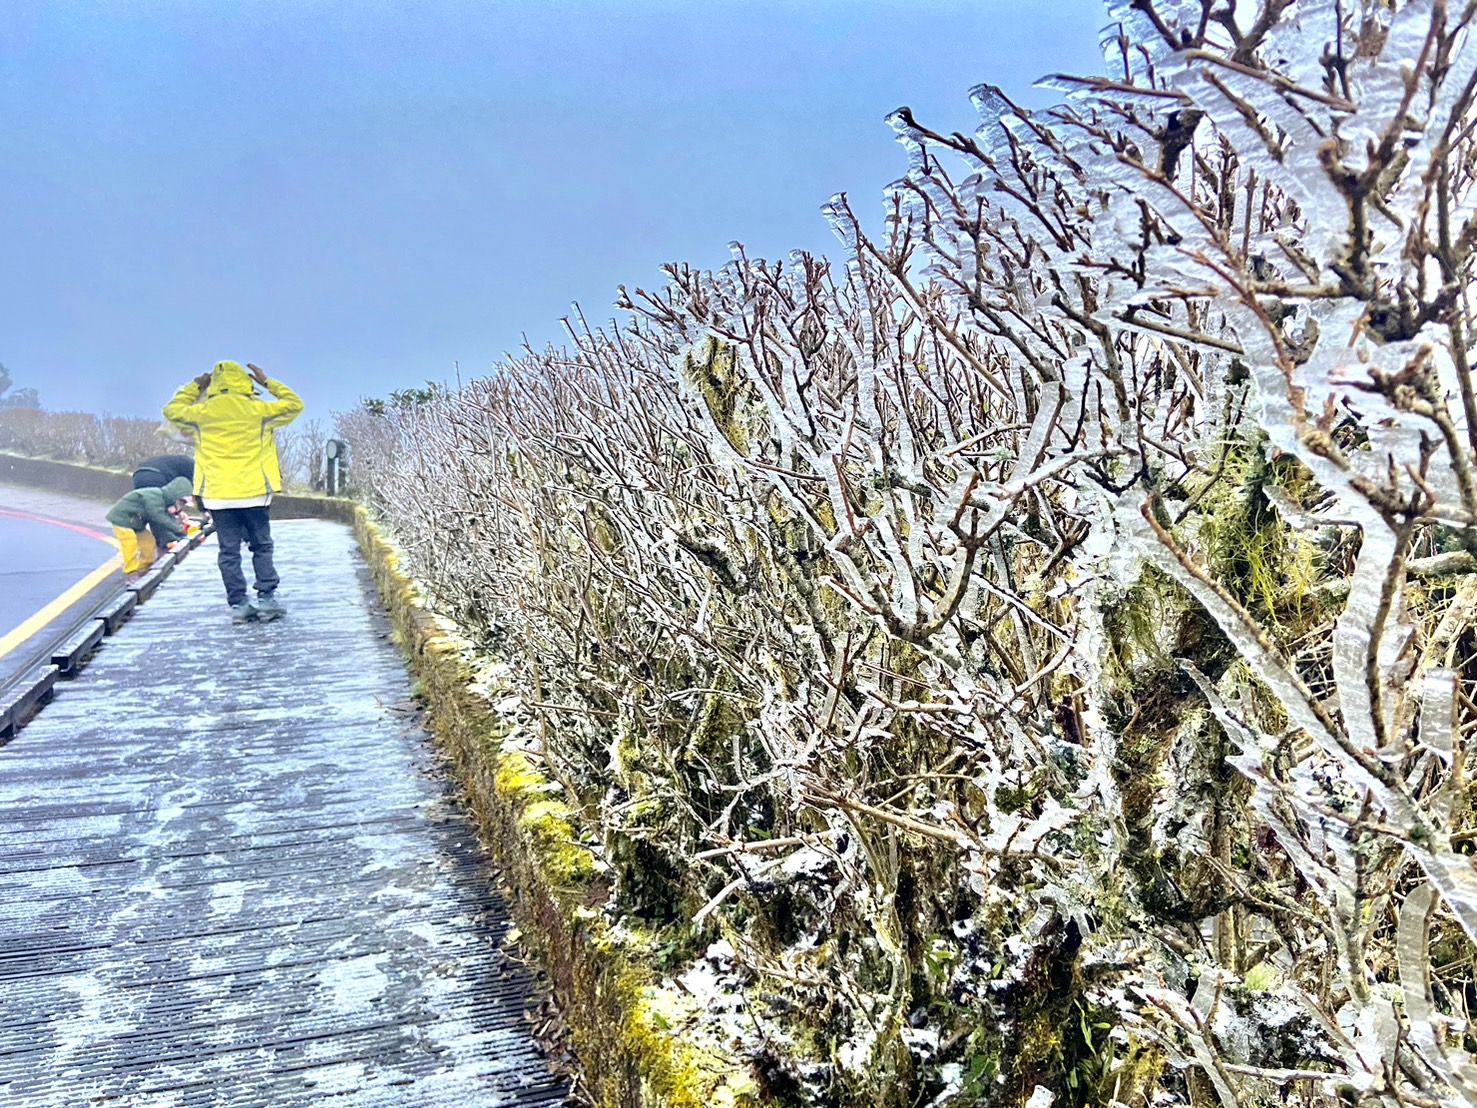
(516, 777)
(564, 858)
(661, 1031)
(723, 393)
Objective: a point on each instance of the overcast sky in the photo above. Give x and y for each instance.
(358, 193)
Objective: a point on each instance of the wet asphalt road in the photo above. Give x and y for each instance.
(40, 559)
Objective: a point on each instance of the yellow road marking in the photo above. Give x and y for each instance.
(13, 639)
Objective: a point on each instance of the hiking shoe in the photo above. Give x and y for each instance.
(267, 608)
(243, 612)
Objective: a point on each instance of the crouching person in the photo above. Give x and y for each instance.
(142, 522)
(237, 472)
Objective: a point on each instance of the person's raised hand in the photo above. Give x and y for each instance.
(203, 380)
(258, 372)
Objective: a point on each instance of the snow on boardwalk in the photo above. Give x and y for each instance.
(231, 873)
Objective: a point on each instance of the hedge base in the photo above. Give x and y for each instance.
(640, 1044)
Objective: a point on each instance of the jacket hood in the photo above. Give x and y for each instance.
(229, 377)
(177, 489)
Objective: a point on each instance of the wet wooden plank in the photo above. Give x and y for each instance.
(231, 872)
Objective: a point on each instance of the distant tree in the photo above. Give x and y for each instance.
(16, 398)
(402, 400)
(22, 398)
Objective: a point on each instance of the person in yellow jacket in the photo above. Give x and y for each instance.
(237, 472)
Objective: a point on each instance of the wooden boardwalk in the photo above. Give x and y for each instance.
(231, 872)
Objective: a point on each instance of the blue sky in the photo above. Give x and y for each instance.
(356, 194)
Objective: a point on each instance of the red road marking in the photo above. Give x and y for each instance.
(90, 532)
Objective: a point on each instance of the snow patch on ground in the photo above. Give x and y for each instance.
(354, 984)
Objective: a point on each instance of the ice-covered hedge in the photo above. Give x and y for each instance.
(1032, 657)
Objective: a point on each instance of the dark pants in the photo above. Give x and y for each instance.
(253, 526)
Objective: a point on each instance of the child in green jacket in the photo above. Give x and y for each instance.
(142, 522)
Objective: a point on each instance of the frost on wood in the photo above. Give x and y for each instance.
(1040, 648)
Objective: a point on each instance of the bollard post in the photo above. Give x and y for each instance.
(336, 452)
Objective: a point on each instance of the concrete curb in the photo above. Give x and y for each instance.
(149, 583)
(116, 614)
(25, 698)
(72, 654)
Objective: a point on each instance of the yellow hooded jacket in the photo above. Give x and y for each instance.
(235, 452)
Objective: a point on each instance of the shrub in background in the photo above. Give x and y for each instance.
(113, 442)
